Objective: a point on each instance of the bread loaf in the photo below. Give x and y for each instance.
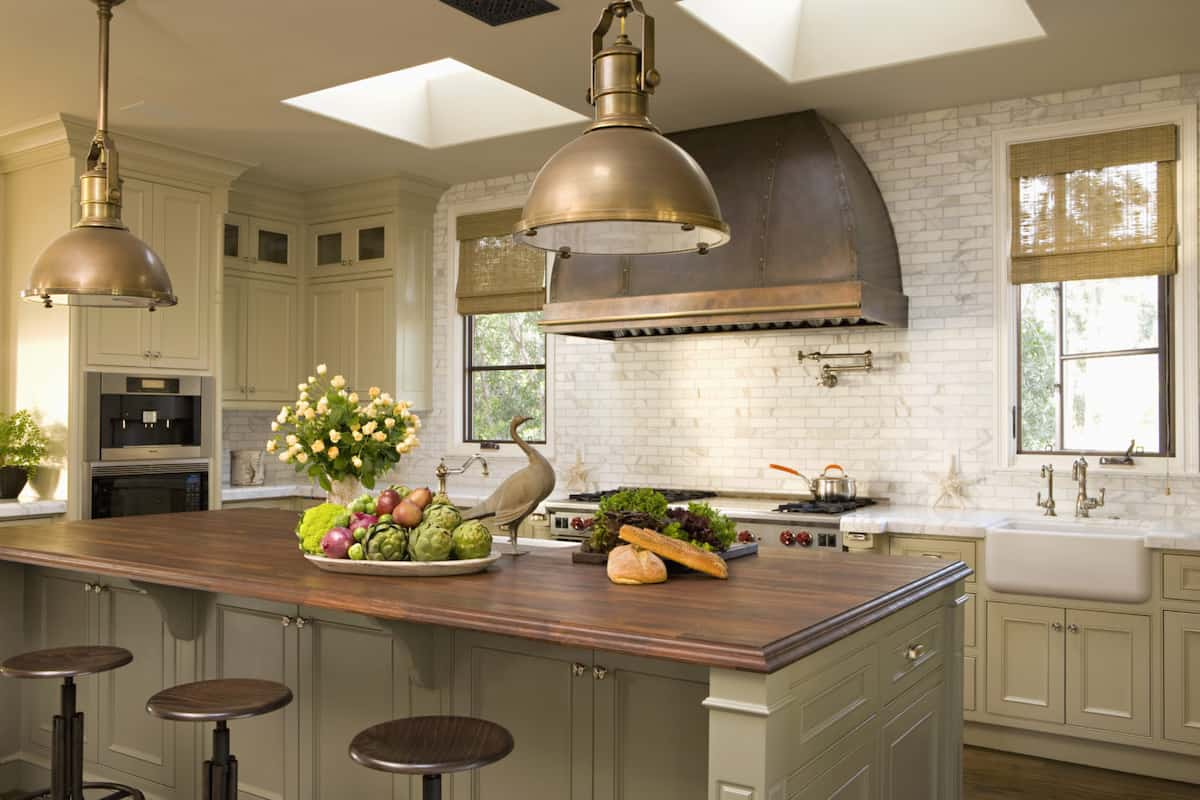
(675, 550)
(631, 565)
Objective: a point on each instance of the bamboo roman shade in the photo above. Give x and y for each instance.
(496, 275)
(1099, 206)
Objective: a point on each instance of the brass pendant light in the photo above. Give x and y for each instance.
(622, 188)
(99, 262)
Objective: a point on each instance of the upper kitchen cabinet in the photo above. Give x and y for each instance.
(256, 244)
(178, 225)
(260, 362)
(363, 244)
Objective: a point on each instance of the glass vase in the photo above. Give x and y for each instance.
(345, 491)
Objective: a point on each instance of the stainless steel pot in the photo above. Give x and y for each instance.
(825, 486)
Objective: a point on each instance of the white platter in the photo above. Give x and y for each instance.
(405, 569)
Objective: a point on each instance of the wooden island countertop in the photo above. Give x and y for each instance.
(776, 608)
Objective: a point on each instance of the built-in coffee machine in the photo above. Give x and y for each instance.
(149, 439)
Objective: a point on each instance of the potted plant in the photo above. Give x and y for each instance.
(343, 441)
(22, 448)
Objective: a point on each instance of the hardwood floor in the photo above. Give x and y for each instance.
(993, 775)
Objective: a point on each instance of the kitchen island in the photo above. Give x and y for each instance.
(803, 675)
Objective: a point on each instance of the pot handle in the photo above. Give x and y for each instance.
(788, 470)
(838, 467)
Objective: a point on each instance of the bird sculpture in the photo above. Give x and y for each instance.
(520, 493)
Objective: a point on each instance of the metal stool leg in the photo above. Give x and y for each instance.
(220, 773)
(431, 787)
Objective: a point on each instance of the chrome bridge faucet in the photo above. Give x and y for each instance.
(1048, 503)
(1083, 503)
(442, 470)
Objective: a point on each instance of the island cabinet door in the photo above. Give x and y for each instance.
(913, 746)
(543, 694)
(651, 729)
(350, 678)
(131, 740)
(1025, 662)
(246, 638)
(60, 612)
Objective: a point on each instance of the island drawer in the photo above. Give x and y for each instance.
(827, 707)
(911, 653)
(928, 547)
(1181, 577)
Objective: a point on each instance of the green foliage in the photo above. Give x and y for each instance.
(22, 442)
(499, 395)
(722, 527)
(1039, 378)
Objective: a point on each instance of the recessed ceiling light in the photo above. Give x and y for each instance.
(810, 39)
(438, 104)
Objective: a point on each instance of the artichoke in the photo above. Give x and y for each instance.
(471, 540)
(429, 542)
(443, 516)
(388, 542)
(441, 499)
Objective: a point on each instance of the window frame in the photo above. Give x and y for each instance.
(454, 332)
(1184, 314)
(470, 368)
(1163, 350)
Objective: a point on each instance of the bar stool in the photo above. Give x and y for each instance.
(430, 747)
(66, 746)
(219, 701)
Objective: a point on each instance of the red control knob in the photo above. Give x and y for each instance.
(804, 539)
(745, 536)
(787, 538)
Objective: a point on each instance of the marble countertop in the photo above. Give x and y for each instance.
(974, 524)
(32, 508)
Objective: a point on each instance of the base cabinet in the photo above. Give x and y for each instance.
(912, 748)
(1181, 669)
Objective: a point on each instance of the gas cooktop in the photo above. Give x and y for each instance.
(672, 495)
(826, 506)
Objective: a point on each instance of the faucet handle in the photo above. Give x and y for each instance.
(1100, 501)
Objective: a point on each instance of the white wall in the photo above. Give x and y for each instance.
(713, 410)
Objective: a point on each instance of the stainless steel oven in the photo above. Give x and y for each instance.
(148, 418)
(129, 490)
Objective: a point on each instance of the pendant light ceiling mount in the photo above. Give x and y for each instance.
(99, 262)
(622, 188)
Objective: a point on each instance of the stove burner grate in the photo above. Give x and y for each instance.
(826, 506)
(672, 495)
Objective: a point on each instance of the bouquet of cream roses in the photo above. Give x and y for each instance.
(333, 434)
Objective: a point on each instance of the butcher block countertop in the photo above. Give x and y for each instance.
(776, 607)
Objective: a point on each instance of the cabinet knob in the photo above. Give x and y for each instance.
(600, 673)
(578, 669)
(98, 589)
(147, 354)
(286, 621)
(301, 622)
(914, 652)
(253, 390)
(1056, 626)
(87, 587)
(158, 354)
(1073, 628)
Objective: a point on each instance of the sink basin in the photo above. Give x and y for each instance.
(1083, 559)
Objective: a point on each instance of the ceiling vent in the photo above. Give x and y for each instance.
(501, 12)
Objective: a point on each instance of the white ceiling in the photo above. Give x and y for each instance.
(211, 76)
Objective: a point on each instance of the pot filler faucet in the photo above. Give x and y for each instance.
(1083, 503)
(442, 470)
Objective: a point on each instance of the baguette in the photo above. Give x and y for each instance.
(675, 550)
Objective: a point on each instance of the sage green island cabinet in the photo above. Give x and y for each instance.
(686, 690)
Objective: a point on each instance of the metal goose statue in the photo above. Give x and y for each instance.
(520, 493)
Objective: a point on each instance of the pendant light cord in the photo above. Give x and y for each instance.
(104, 12)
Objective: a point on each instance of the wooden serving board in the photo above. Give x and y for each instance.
(737, 550)
(409, 569)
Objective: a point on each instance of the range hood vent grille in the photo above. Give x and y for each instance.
(501, 12)
(813, 246)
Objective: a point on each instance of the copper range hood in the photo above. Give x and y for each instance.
(812, 247)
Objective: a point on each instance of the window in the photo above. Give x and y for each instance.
(1093, 258)
(505, 362)
(499, 294)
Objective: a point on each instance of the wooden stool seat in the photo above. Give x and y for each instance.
(219, 700)
(66, 662)
(431, 745)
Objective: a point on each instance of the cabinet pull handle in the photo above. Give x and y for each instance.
(600, 673)
(962, 601)
(931, 555)
(146, 354)
(286, 621)
(98, 589)
(1056, 626)
(158, 353)
(914, 652)
(87, 587)
(578, 669)
(301, 622)
(1073, 628)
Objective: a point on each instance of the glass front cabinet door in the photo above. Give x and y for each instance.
(366, 243)
(259, 245)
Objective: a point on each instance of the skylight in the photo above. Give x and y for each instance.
(802, 40)
(438, 104)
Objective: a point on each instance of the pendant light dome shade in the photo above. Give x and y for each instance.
(622, 188)
(95, 266)
(99, 262)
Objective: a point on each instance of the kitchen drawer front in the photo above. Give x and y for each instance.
(911, 653)
(927, 547)
(1181, 577)
(830, 705)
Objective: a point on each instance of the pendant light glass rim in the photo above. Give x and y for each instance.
(79, 297)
